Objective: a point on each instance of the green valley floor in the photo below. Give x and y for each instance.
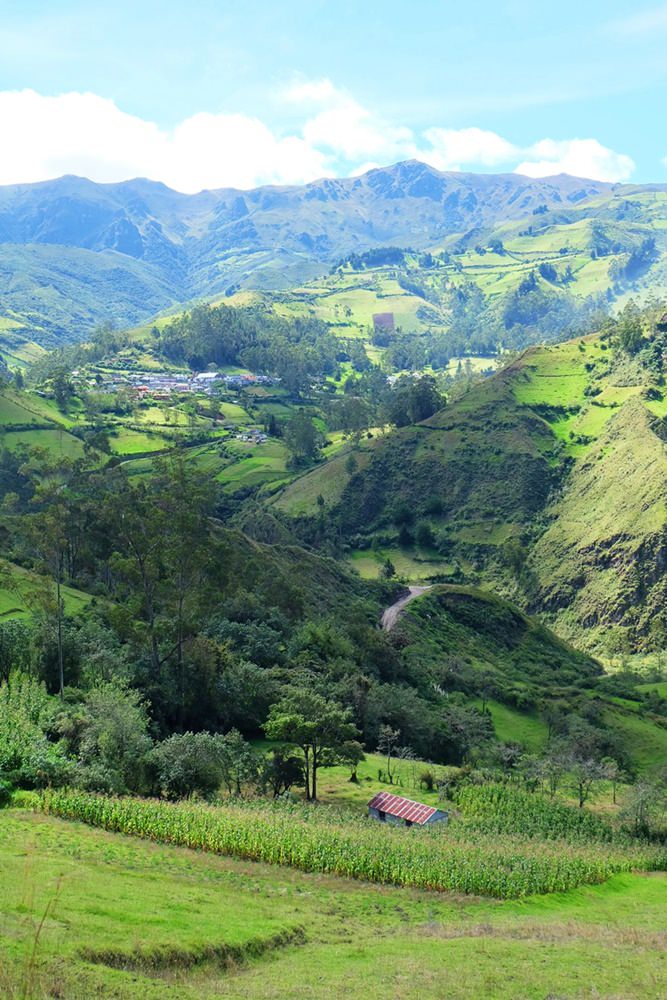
(84, 913)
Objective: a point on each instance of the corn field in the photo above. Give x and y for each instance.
(507, 809)
(312, 841)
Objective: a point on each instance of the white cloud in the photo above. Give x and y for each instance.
(45, 137)
(208, 151)
(314, 92)
(352, 131)
(450, 148)
(345, 128)
(579, 157)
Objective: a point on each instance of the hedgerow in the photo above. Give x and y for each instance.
(312, 841)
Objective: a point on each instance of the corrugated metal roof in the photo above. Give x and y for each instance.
(396, 805)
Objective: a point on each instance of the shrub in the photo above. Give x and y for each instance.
(23, 799)
(27, 757)
(200, 763)
(5, 793)
(427, 780)
(189, 763)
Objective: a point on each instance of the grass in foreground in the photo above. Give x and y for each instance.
(167, 919)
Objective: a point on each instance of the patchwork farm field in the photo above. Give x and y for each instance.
(132, 920)
(28, 419)
(559, 378)
(129, 442)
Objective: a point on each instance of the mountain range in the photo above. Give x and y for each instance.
(74, 253)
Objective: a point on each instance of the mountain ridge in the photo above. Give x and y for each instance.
(174, 248)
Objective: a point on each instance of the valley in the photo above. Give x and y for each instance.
(395, 523)
(333, 501)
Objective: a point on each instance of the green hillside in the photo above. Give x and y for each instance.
(574, 254)
(62, 293)
(23, 593)
(17, 350)
(136, 431)
(492, 636)
(598, 564)
(74, 254)
(470, 641)
(478, 472)
(546, 481)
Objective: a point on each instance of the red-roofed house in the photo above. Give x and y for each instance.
(390, 808)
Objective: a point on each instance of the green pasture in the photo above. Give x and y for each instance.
(129, 442)
(57, 442)
(13, 411)
(16, 352)
(554, 376)
(31, 408)
(659, 686)
(167, 416)
(256, 464)
(234, 413)
(327, 480)
(512, 726)
(412, 566)
(646, 741)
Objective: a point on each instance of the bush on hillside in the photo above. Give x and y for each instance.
(5, 793)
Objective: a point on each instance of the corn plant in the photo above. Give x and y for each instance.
(314, 841)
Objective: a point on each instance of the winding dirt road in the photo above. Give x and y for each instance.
(391, 615)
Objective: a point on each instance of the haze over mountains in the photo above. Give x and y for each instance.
(154, 247)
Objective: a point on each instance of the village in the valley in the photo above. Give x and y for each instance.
(162, 384)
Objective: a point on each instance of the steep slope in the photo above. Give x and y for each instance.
(547, 482)
(167, 246)
(145, 220)
(61, 291)
(601, 564)
(481, 461)
(468, 642)
(286, 576)
(517, 653)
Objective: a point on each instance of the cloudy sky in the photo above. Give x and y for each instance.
(211, 93)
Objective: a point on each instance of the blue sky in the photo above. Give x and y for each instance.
(206, 94)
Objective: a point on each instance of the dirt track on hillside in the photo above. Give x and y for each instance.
(392, 613)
